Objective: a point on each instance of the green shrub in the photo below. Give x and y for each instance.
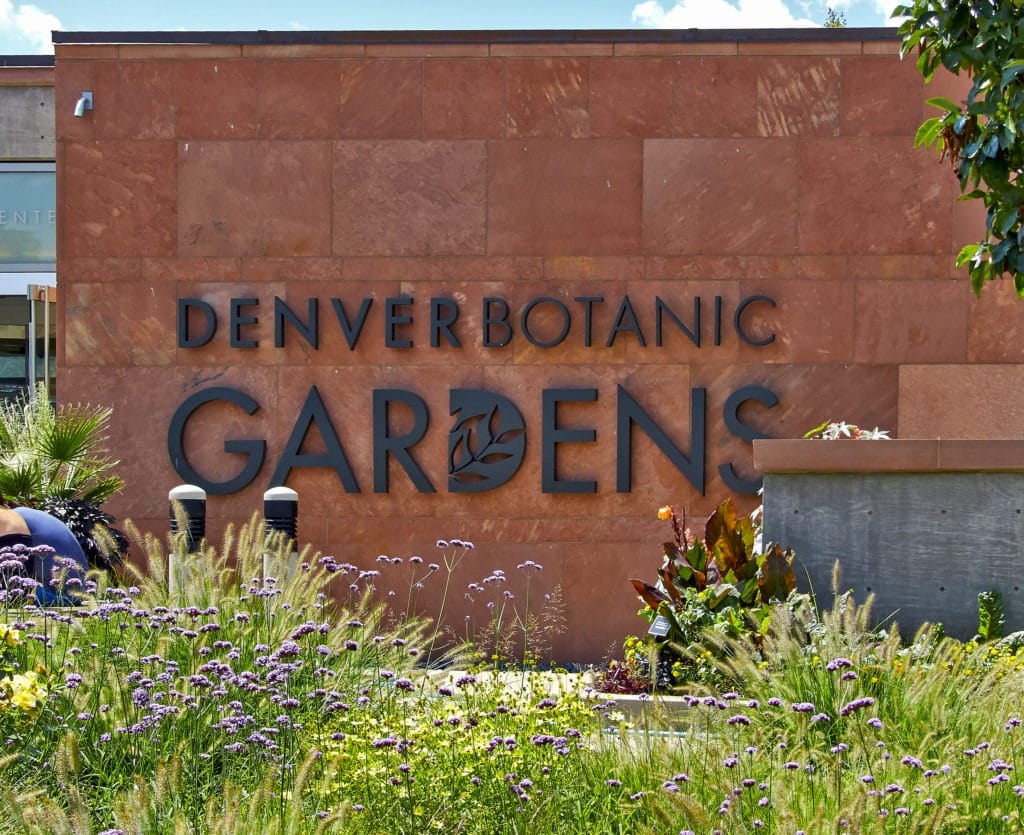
(721, 582)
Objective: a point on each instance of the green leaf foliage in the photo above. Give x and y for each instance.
(834, 19)
(991, 616)
(980, 136)
(720, 581)
(48, 453)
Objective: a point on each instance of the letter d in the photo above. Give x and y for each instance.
(185, 340)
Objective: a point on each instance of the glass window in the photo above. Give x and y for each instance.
(28, 217)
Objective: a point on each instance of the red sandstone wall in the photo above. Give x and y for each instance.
(474, 169)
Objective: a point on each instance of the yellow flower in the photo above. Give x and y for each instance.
(665, 512)
(9, 637)
(24, 700)
(23, 691)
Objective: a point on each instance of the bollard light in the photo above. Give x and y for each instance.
(193, 502)
(281, 511)
(192, 499)
(280, 515)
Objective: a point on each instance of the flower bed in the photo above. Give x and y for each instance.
(238, 704)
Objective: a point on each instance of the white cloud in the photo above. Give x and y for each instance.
(718, 14)
(885, 11)
(880, 9)
(28, 23)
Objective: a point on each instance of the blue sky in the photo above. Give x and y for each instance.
(25, 27)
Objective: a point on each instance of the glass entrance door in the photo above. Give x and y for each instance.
(28, 343)
(42, 333)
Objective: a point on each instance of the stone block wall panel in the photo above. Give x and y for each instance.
(768, 180)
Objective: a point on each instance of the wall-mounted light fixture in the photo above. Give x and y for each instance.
(83, 104)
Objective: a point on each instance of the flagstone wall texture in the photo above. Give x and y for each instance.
(639, 165)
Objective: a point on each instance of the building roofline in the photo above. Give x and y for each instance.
(490, 36)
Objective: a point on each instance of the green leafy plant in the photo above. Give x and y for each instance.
(721, 582)
(60, 453)
(633, 674)
(55, 459)
(981, 136)
(991, 616)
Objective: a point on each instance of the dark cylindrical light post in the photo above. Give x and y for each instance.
(193, 501)
(281, 511)
(280, 515)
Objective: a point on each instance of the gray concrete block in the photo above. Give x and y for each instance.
(925, 544)
(27, 124)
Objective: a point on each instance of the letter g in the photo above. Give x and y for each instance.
(254, 450)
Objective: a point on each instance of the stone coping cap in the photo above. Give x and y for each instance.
(26, 60)
(516, 36)
(775, 455)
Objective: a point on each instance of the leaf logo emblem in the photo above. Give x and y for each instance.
(486, 443)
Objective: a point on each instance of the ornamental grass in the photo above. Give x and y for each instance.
(291, 694)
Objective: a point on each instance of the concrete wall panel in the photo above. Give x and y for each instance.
(924, 545)
(26, 123)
